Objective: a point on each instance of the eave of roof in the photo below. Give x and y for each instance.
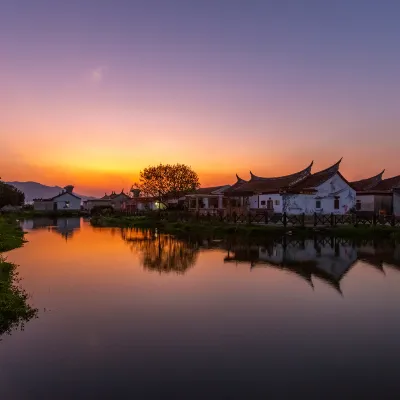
(211, 190)
(388, 184)
(368, 183)
(259, 185)
(62, 194)
(311, 182)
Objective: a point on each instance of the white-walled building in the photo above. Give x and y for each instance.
(65, 201)
(261, 193)
(324, 192)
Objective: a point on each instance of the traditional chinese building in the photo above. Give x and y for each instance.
(114, 200)
(262, 193)
(324, 192)
(376, 195)
(208, 199)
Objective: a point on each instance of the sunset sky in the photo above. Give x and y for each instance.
(92, 91)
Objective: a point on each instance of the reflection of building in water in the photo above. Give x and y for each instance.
(162, 253)
(328, 260)
(380, 255)
(63, 226)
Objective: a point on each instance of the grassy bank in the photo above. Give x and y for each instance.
(11, 235)
(221, 228)
(14, 309)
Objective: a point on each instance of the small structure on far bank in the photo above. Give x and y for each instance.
(113, 200)
(65, 201)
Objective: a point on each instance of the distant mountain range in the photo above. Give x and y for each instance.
(35, 190)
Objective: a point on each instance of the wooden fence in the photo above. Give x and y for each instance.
(285, 220)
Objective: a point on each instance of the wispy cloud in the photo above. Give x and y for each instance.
(97, 74)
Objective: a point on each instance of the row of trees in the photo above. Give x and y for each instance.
(10, 195)
(165, 181)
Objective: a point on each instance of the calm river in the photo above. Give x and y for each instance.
(136, 315)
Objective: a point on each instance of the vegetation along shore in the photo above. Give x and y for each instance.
(171, 226)
(14, 307)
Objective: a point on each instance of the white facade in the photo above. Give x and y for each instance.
(333, 196)
(367, 202)
(67, 201)
(62, 202)
(265, 201)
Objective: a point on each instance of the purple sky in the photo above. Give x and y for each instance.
(93, 91)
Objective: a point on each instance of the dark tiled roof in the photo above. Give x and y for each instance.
(317, 179)
(210, 190)
(270, 185)
(239, 182)
(369, 183)
(113, 195)
(387, 184)
(61, 194)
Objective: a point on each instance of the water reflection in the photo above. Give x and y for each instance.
(325, 259)
(328, 260)
(240, 319)
(161, 253)
(62, 226)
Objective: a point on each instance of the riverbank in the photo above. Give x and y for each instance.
(14, 309)
(222, 228)
(11, 235)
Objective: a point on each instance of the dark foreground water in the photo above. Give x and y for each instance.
(135, 315)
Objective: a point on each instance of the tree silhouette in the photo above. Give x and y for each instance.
(165, 181)
(10, 195)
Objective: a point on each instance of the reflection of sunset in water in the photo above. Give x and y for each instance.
(223, 311)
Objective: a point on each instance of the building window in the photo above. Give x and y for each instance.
(263, 202)
(336, 204)
(277, 202)
(66, 204)
(318, 204)
(358, 205)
